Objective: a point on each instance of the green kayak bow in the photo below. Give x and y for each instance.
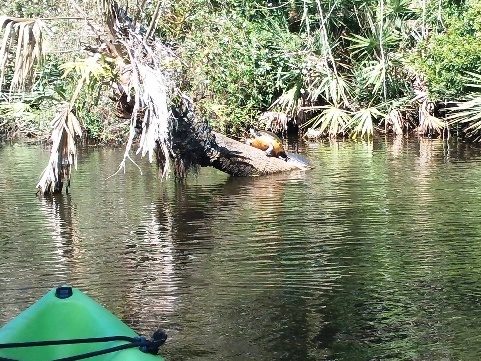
(67, 325)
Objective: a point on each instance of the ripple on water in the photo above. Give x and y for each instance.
(373, 255)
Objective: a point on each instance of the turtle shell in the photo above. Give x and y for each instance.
(262, 140)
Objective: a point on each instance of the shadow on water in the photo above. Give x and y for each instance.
(372, 255)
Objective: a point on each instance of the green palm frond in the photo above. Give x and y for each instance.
(333, 87)
(91, 70)
(368, 44)
(362, 121)
(17, 109)
(28, 35)
(288, 102)
(332, 121)
(375, 74)
(86, 68)
(399, 9)
(363, 44)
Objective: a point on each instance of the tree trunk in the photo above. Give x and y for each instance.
(239, 159)
(195, 144)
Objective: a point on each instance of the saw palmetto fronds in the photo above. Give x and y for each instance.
(65, 127)
(27, 36)
(468, 112)
(332, 121)
(328, 84)
(289, 102)
(363, 121)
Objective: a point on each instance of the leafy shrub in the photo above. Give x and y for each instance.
(445, 58)
(235, 67)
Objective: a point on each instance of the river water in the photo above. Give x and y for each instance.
(375, 254)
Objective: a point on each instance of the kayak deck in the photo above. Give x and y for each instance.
(65, 314)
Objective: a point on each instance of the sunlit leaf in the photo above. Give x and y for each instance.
(362, 121)
(332, 121)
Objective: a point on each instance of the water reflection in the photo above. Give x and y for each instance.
(373, 255)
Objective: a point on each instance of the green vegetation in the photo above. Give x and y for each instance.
(449, 54)
(341, 67)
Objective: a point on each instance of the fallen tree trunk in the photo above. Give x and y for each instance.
(196, 144)
(239, 159)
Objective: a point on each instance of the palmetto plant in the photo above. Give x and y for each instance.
(363, 120)
(468, 111)
(332, 120)
(352, 91)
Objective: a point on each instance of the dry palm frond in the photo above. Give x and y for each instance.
(28, 35)
(396, 121)
(468, 112)
(428, 123)
(65, 127)
(145, 85)
(274, 121)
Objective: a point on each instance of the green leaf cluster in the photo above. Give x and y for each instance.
(447, 55)
(237, 60)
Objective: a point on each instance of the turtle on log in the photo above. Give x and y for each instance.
(268, 142)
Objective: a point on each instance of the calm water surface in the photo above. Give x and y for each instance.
(373, 255)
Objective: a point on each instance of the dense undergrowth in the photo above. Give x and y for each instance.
(341, 67)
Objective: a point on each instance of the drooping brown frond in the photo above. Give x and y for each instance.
(144, 86)
(65, 127)
(28, 36)
(395, 121)
(428, 123)
(274, 121)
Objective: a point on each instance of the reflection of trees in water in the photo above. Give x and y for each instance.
(359, 260)
(399, 250)
(148, 256)
(59, 212)
(230, 281)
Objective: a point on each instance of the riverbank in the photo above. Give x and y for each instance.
(237, 61)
